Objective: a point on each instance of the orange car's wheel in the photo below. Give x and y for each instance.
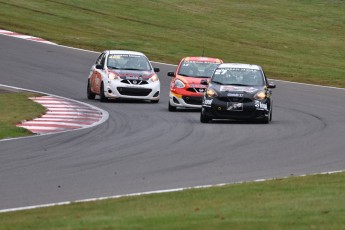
(171, 108)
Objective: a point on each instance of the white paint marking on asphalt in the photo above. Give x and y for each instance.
(153, 192)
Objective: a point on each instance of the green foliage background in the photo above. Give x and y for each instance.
(295, 40)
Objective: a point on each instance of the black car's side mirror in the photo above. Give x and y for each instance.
(98, 66)
(271, 85)
(171, 74)
(204, 82)
(156, 70)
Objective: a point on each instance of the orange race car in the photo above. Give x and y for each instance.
(190, 80)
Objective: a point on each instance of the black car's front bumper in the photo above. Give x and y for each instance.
(239, 110)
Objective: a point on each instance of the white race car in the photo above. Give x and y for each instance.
(123, 74)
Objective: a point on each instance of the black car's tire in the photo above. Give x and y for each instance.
(171, 108)
(90, 94)
(103, 98)
(271, 114)
(267, 119)
(204, 118)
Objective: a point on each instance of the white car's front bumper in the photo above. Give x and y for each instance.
(117, 89)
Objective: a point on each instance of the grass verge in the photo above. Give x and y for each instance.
(297, 40)
(314, 202)
(16, 107)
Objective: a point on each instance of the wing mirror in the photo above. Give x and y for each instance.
(98, 66)
(171, 74)
(271, 85)
(156, 70)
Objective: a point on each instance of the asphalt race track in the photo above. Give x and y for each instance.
(142, 147)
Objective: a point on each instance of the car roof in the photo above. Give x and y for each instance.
(239, 65)
(203, 59)
(125, 52)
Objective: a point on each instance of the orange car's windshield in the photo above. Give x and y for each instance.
(197, 69)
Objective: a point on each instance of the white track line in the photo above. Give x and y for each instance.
(27, 37)
(153, 192)
(162, 63)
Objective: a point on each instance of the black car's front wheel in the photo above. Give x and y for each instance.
(203, 117)
(271, 114)
(267, 119)
(90, 94)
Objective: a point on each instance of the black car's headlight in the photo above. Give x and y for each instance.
(260, 95)
(211, 93)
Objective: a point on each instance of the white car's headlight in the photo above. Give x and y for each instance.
(179, 84)
(211, 93)
(112, 76)
(260, 95)
(154, 78)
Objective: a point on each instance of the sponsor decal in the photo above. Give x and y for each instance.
(235, 106)
(260, 106)
(227, 88)
(197, 86)
(132, 78)
(97, 81)
(235, 94)
(118, 56)
(207, 102)
(225, 70)
(200, 60)
(135, 86)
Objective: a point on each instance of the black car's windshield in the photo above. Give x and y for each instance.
(128, 62)
(238, 76)
(198, 69)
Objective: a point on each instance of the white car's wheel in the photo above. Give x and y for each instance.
(103, 98)
(90, 94)
(154, 101)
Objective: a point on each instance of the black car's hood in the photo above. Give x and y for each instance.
(235, 90)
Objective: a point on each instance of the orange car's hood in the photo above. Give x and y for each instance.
(192, 80)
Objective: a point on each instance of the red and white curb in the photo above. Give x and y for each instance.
(27, 37)
(61, 115)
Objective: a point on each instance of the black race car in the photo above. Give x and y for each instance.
(238, 91)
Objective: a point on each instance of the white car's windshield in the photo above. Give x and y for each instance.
(197, 69)
(128, 62)
(238, 76)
